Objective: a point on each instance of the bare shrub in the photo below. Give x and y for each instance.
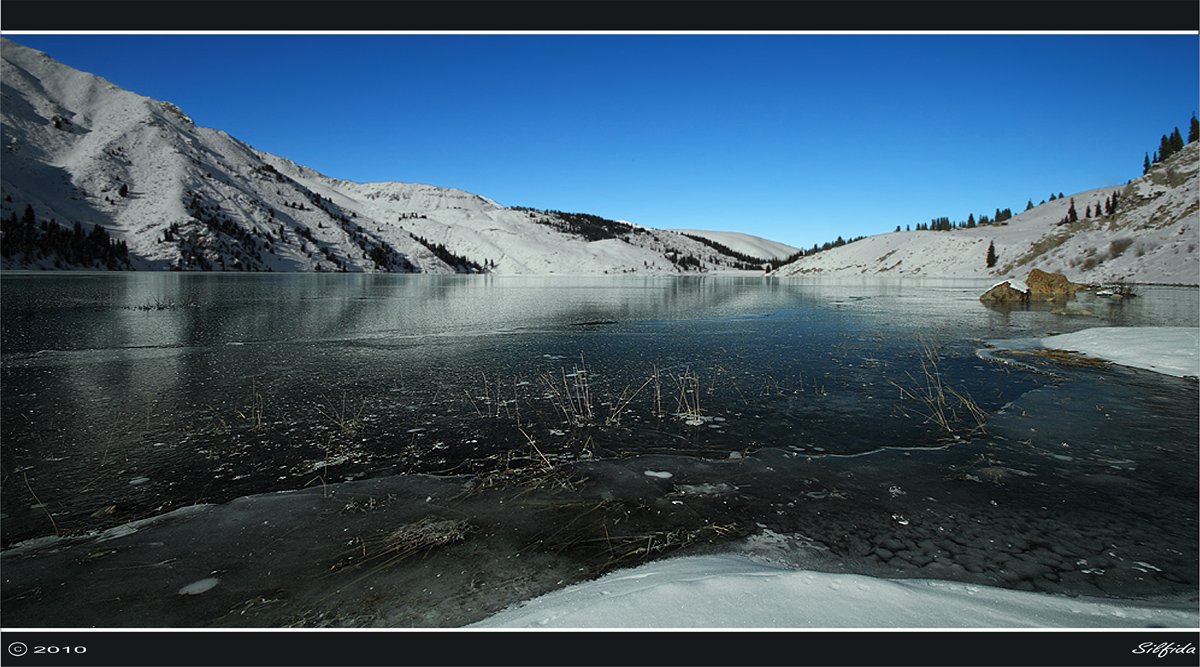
(1118, 246)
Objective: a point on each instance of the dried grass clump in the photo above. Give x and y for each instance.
(950, 409)
(426, 533)
(1061, 358)
(409, 539)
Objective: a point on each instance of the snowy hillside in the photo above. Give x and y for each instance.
(77, 149)
(1153, 237)
(747, 244)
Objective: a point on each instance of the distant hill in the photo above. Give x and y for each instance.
(1153, 236)
(746, 244)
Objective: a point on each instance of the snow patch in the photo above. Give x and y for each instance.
(729, 591)
(201, 586)
(1168, 350)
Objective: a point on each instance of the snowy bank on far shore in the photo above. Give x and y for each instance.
(1170, 350)
(732, 591)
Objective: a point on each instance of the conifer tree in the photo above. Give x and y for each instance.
(1060, 195)
(991, 254)
(1029, 205)
(1072, 216)
(1087, 212)
(1146, 164)
(124, 190)
(1176, 141)
(1164, 147)
(1194, 130)
(1052, 197)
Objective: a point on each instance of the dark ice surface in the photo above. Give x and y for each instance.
(416, 451)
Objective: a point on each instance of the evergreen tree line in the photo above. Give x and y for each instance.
(590, 227)
(1170, 144)
(828, 245)
(744, 261)
(685, 262)
(1111, 203)
(944, 224)
(242, 245)
(31, 240)
(461, 264)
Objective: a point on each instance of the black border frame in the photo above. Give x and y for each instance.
(699, 648)
(607, 15)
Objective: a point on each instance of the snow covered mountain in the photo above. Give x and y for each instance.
(95, 176)
(1153, 236)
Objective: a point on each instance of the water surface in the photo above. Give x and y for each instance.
(695, 411)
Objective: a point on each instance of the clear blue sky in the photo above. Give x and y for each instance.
(798, 138)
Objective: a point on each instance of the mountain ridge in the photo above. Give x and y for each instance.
(78, 149)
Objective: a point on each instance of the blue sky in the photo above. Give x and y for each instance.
(799, 138)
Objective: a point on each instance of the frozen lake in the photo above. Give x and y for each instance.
(398, 450)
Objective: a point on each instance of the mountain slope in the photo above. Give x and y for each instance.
(746, 244)
(1153, 236)
(77, 149)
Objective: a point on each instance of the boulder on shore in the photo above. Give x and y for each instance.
(1006, 291)
(1047, 286)
(1039, 286)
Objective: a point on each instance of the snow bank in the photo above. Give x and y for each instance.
(728, 591)
(1169, 350)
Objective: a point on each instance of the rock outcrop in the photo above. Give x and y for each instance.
(1038, 286)
(1006, 291)
(1044, 286)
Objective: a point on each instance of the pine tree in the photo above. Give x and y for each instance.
(1052, 197)
(1060, 195)
(1164, 147)
(1194, 130)
(1087, 212)
(1176, 141)
(991, 254)
(124, 190)
(1072, 216)
(1029, 205)
(1146, 164)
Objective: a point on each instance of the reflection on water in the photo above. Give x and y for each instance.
(128, 395)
